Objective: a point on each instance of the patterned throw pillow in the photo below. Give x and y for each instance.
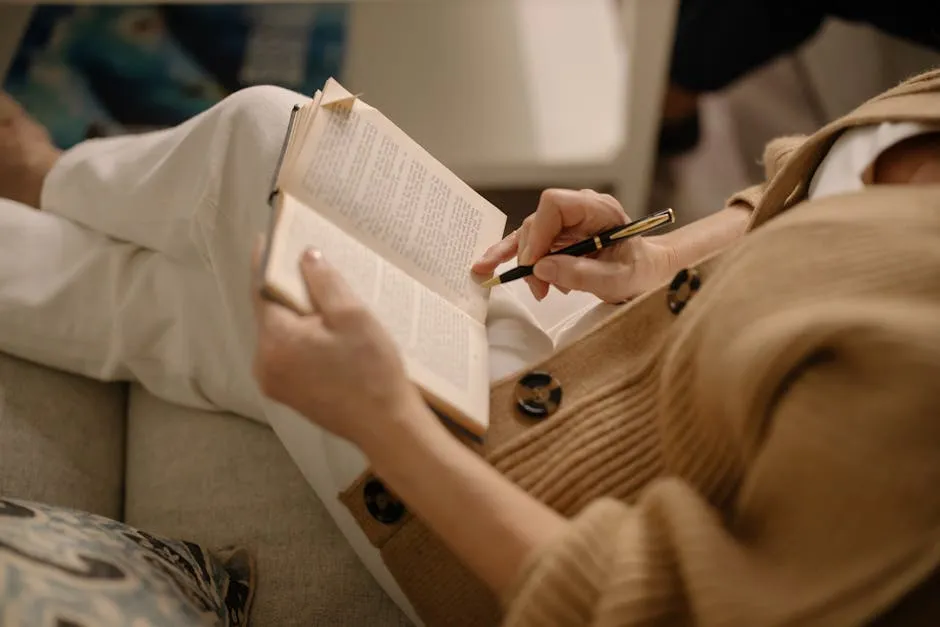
(64, 568)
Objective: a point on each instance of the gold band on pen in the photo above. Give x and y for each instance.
(598, 244)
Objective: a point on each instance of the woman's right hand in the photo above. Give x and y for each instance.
(564, 217)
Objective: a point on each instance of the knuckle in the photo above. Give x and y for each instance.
(615, 205)
(551, 198)
(550, 194)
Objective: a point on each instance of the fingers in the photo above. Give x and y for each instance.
(584, 212)
(561, 213)
(538, 287)
(330, 295)
(502, 251)
(604, 279)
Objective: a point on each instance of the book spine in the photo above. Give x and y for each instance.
(280, 157)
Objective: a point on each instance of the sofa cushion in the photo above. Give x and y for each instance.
(220, 480)
(66, 567)
(61, 438)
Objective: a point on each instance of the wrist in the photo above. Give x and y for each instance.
(404, 430)
(690, 244)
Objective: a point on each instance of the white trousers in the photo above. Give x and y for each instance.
(138, 268)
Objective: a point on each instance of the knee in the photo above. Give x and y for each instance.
(257, 116)
(264, 106)
(261, 97)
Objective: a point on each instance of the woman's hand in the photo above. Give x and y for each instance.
(338, 366)
(341, 370)
(564, 217)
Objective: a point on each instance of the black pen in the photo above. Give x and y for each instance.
(593, 244)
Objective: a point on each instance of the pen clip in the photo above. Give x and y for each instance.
(641, 226)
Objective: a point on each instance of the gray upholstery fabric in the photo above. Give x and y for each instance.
(61, 438)
(218, 479)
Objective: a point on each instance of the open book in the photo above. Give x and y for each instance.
(401, 229)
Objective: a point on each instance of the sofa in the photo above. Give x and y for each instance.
(213, 478)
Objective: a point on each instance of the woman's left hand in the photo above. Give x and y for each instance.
(337, 366)
(341, 370)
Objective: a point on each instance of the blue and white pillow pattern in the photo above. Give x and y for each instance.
(64, 568)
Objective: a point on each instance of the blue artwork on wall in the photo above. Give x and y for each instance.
(102, 70)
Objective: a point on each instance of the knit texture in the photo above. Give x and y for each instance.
(768, 456)
(798, 433)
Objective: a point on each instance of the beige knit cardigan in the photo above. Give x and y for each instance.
(769, 455)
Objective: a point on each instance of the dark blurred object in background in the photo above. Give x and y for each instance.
(718, 42)
(104, 70)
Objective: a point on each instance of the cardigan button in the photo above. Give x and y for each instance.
(683, 287)
(381, 504)
(538, 394)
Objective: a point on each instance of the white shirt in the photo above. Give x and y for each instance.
(854, 151)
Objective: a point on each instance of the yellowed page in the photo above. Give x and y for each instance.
(299, 130)
(444, 348)
(368, 177)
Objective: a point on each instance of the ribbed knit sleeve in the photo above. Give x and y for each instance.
(836, 517)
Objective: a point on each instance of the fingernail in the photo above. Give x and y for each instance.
(546, 269)
(312, 255)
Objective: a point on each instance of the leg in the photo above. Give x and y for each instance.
(76, 300)
(181, 208)
(180, 293)
(164, 190)
(197, 194)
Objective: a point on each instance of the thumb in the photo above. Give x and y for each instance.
(604, 279)
(330, 295)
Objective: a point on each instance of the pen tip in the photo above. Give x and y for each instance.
(491, 282)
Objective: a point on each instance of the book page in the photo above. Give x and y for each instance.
(377, 184)
(298, 131)
(444, 349)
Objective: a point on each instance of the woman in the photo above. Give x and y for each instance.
(750, 440)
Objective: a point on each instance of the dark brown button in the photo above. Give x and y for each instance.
(538, 394)
(683, 287)
(381, 504)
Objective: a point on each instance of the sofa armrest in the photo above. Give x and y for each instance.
(61, 438)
